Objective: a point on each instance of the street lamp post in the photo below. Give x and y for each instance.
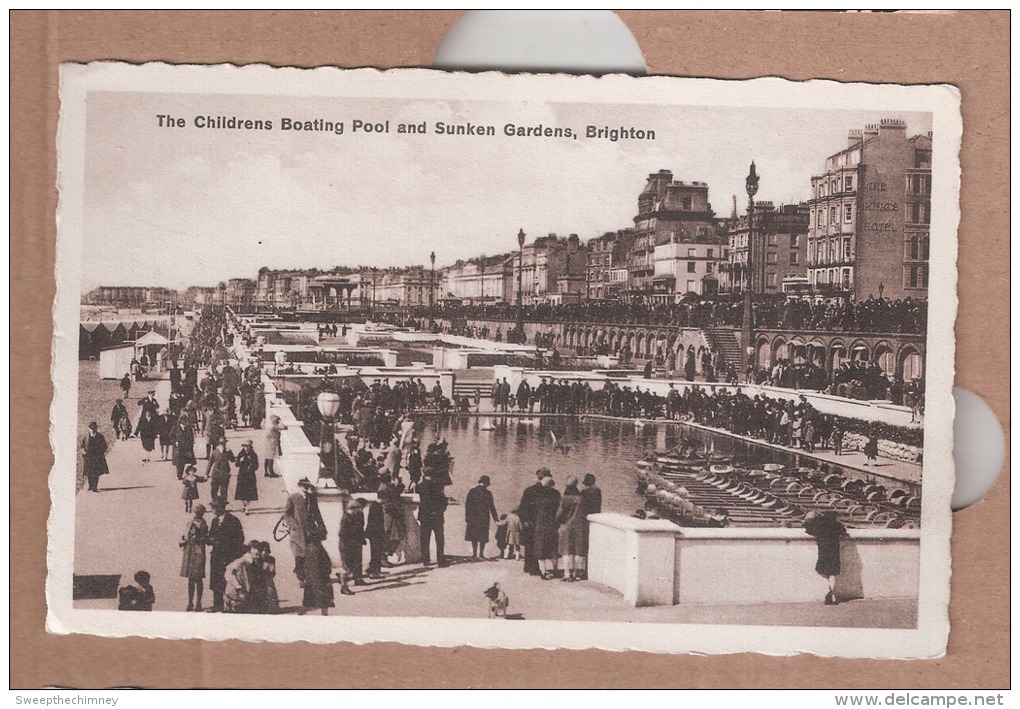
(747, 347)
(520, 285)
(432, 289)
(328, 403)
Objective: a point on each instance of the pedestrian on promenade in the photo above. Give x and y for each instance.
(183, 438)
(591, 500)
(351, 539)
(265, 594)
(479, 508)
(513, 535)
(147, 429)
(501, 535)
(375, 533)
(119, 412)
(191, 480)
(527, 510)
(570, 517)
(318, 588)
(218, 469)
(93, 449)
(431, 516)
(837, 437)
(125, 386)
(226, 537)
(164, 427)
(193, 543)
(304, 521)
(137, 596)
(242, 579)
(273, 450)
(547, 541)
(247, 489)
(827, 530)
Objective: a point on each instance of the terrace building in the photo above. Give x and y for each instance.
(870, 216)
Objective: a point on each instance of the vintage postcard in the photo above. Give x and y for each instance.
(650, 364)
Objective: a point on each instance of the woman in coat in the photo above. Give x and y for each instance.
(479, 508)
(546, 533)
(147, 429)
(827, 530)
(273, 450)
(193, 544)
(570, 518)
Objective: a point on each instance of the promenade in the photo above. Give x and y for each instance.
(137, 520)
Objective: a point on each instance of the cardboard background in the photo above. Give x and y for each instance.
(969, 49)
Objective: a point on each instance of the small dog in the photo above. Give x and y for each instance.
(498, 601)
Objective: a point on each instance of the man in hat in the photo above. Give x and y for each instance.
(218, 469)
(149, 403)
(479, 507)
(351, 538)
(591, 504)
(431, 516)
(304, 520)
(226, 537)
(527, 510)
(93, 450)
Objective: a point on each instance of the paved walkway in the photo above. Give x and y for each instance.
(137, 520)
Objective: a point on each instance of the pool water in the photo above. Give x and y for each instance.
(512, 451)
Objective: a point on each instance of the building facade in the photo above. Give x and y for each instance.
(478, 280)
(779, 249)
(537, 269)
(607, 262)
(870, 216)
(669, 212)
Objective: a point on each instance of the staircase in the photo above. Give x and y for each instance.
(468, 389)
(724, 339)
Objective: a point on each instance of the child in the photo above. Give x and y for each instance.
(501, 526)
(137, 596)
(191, 480)
(267, 592)
(513, 535)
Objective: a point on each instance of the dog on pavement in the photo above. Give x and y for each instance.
(498, 601)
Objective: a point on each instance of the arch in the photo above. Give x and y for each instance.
(882, 353)
(763, 353)
(649, 344)
(838, 353)
(860, 351)
(779, 348)
(910, 362)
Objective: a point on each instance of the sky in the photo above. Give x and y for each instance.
(175, 207)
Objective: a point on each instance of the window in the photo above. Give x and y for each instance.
(691, 267)
(770, 280)
(690, 287)
(833, 215)
(821, 217)
(848, 183)
(709, 267)
(794, 240)
(711, 253)
(773, 239)
(691, 253)
(794, 258)
(915, 277)
(771, 259)
(848, 213)
(687, 201)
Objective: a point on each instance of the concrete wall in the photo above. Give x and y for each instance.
(655, 562)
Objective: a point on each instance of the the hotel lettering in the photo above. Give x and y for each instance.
(877, 205)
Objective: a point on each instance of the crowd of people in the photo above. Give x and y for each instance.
(906, 315)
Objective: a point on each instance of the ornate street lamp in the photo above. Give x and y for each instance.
(328, 403)
(520, 285)
(432, 289)
(751, 185)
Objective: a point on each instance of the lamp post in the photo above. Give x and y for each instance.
(520, 284)
(328, 403)
(432, 289)
(481, 267)
(751, 185)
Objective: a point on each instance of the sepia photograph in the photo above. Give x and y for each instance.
(647, 364)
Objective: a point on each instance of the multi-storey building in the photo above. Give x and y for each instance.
(870, 215)
(408, 287)
(607, 260)
(779, 249)
(129, 296)
(669, 212)
(240, 293)
(478, 280)
(540, 265)
(687, 267)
